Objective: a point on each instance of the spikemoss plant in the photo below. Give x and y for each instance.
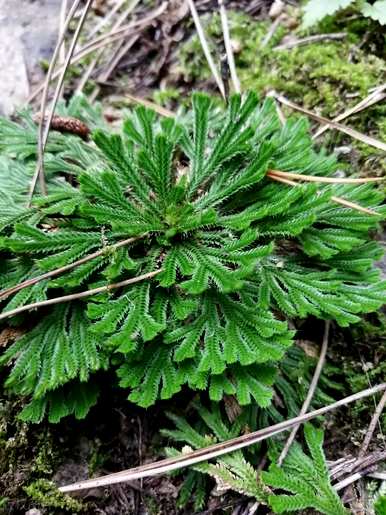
(201, 258)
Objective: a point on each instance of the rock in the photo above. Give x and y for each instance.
(33, 511)
(28, 33)
(276, 9)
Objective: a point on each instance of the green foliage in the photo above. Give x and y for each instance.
(231, 472)
(239, 254)
(316, 10)
(46, 494)
(306, 478)
(380, 506)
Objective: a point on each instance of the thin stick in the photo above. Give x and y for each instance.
(80, 295)
(334, 125)
(43, 136)
(46, 85)
(106, 19)
(151, 105)
(329, 180)
(62, 31)
(376, 96)
(310, 394)
(337, 200)
(311, 39)
(205, 47)
(66, 268)
(373, 423)
(213, 451)
(107, 39)
(228, 47)
(101, 51)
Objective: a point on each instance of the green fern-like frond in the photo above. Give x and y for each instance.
(238, 254)
(306, 478)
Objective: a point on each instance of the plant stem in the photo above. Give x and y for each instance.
(80, 295)
(213, 451)
(66, 268)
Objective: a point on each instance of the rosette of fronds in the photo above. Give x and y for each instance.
(181, 257)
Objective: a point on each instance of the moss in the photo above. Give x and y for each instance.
(46, 494)
(327, 77)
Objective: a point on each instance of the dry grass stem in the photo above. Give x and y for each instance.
(373, 142)
(216, 450)
(107, 39)
(373, 424)
(205, 47)
(376, 96)
(327, 180)
(66, 268)
(337, 200)
(228, 47)
(79, 295)
(310, 393)
(311, 39)
(43, 135)
(45, 87)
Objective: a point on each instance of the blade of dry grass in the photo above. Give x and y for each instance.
(373, 423)
(374, 97)
(327, 180)
(373, 142)
(43, 135)
(107, 39)
(151, 105)
(216, 450)
(228, 47)
(205, 47)
(79, 295)
(337, 200)
(310, 393)
(87, 74)
(66, 268)
(316, 38)
(45, 88)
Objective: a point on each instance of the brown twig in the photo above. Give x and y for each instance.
(373, 142)
(216, 450)
(66, 268)
(91, 67)
(107, 39)
(373, 423)
(327, 180)
(310, 393)
(228, 47)
(80, 295)
(46, 84)
(337, 200)
(43, 135)
(205, 47)
(311, 39)
(376, 96)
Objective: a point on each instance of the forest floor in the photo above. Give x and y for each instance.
(163, 64)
